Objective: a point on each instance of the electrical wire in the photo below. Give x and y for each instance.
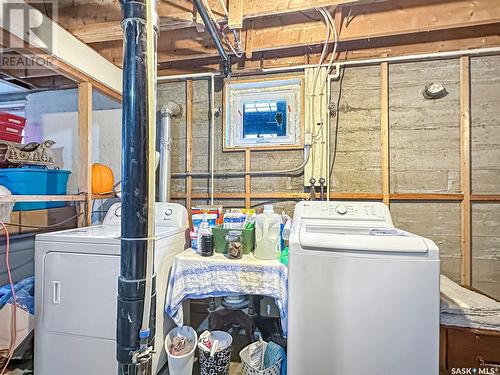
(238, 52)
(335, 143)
(335, 43)
(228, 42)
(45, 226)
(13, 320)
(329, 20)
(325, 48)
(315, 80)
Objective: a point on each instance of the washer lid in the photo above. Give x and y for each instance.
(100, 234)
(359, 239)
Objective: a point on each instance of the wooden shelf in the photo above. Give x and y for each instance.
(44, 198)
(104, 196)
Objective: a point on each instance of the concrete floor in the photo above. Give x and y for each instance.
(234, 368)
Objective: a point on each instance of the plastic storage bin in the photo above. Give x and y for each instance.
(247, 369)
(11, 127)
(35, 181)
(221, 243)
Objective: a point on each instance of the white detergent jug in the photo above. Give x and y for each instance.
(267, 234)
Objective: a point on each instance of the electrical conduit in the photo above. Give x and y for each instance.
(289, 171)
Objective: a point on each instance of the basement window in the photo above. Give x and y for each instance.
(263, 114)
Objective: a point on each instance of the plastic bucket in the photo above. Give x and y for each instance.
(181, 365)
(219, 363)
(246, 369)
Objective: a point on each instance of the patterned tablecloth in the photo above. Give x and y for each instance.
(194, 276)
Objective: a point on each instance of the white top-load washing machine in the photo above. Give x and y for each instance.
(76, 287)
(363, 295)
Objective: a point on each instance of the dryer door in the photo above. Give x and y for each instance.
(79, 294)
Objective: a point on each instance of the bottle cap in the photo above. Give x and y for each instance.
(268, 208)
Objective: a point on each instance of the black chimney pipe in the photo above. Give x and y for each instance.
(212, 30)
(135, 216)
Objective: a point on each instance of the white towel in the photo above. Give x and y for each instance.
(465, 308)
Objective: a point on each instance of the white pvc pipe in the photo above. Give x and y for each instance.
(424, 56)
(212, 138)
(211, 83)
(186, 76)
(167, 112)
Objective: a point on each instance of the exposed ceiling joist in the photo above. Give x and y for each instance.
(94, 32)
(67, 54)
(366, 22)
(439, 41)
(101, 31)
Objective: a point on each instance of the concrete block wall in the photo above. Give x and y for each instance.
(485, 136)
(424, 152)
(424, 134)
(356, 96)
(424, 140)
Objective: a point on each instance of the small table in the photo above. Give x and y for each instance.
(194, 276)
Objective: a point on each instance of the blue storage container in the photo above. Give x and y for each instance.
(35, 181)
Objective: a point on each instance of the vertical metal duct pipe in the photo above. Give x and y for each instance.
(212, 30)
(136, 289)
(166, 113)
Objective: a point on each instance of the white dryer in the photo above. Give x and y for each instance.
(363, 295)
(76, 287)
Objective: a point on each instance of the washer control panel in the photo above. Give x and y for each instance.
(345, 210)
(166, 214)
(341, 209)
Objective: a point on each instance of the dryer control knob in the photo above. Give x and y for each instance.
(341, 209)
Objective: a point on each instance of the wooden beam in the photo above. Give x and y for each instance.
(279, 195)
(235, 17)
(43, 198)
(384, 131)
(248, 184)
(85, 150)
(437, 41)
(189, 142)
(485, 197)
(107, 26)
(249, 41)
(426, 197)
(465, 172)
(112, 30)
(410, 197)
(378, 21)
(28, 73)
(259, 8)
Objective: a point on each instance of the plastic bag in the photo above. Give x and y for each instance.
(25, 294)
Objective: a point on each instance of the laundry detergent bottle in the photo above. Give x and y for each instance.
(267, 234)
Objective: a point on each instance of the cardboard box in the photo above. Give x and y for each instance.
(47, 217)
(13, 229)
(24, 325)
